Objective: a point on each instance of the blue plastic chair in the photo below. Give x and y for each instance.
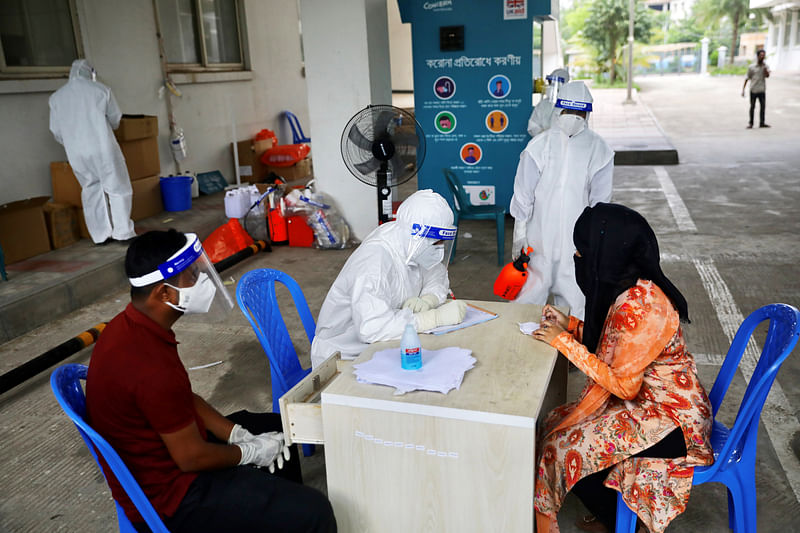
(735, 448)
(255, 295)
(466, 211)
(297, 132)
(66, 384)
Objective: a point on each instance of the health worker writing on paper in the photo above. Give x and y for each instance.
(396, 276)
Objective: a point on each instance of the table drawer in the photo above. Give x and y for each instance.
(301, 410)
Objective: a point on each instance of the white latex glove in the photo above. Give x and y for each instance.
(520, 239)
(239, 434)
(445, 315)
(422, 303)
(262, 450)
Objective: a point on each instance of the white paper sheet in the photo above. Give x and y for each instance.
(442, 370)
(528, 327)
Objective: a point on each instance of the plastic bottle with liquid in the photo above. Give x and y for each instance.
(410, 349)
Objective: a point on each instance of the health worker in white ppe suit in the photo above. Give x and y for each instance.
(560, 172)
(396, 276)
(542, 115)
(82, 115)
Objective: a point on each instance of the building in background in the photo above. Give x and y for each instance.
(782, 46)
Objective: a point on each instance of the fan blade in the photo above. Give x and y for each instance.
(402, 167)
(359, 139)
(382, 121)
(405, 138)
(368, 166)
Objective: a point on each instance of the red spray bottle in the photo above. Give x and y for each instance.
(513, 276)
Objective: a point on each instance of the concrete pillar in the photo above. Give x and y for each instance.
(346, 49)
(793, 34)
(704, 55)
(770, 38)
(722, 53)
(779, 48)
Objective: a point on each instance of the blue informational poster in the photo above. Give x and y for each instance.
(473, 84)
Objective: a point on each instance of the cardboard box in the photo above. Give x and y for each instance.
(62, 224)
(251, 168)
(259, 147)
(146, 198)
(302, 169)
(23, 232)
(84, 231)
(141, 157)
(133, 127)
(66, 189)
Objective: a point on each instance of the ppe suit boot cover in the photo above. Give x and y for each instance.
(95, 208)
(121, 223)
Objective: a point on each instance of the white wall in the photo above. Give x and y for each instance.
(338, 59)
(400, 49)
(120, 40)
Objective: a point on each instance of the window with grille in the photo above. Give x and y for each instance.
(38, 36)
(201, 34)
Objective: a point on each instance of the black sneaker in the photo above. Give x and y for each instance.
(749, 126)
(764, 126)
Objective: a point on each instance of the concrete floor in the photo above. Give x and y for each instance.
(728, 227)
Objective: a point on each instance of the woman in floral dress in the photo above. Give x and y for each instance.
(643, 420)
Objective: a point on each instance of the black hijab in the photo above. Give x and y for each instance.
(617, 247)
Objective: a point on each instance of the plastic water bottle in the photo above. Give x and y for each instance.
(410, 349)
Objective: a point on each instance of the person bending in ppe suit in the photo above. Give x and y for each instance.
(560, 172)
(541, 118)
(396, 276)
(82, 114)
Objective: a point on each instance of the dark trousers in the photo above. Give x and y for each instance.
(246, 498)
(602, 501)
(762, 98)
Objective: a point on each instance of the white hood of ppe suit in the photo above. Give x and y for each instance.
(557, 177)
(542, 115)
(364, 303)
(82, 115)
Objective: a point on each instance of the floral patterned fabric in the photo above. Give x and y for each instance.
(641, 385)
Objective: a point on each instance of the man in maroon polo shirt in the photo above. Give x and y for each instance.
(199, 469)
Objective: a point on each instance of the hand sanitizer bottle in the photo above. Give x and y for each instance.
(410, 349)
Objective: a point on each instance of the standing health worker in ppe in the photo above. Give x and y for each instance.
(560, 172)
(542, 115)
(82, 114)
(396, 276)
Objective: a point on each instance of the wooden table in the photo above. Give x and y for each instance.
(430, 462)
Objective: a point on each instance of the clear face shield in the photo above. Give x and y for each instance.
(192, 275)
(431, 245)
(554, 83)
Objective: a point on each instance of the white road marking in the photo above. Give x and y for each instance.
(638, 189)
(676, 205)
(710, 359)
(778, 417)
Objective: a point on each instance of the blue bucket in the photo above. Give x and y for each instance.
(176, 191)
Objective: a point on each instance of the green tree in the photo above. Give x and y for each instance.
(606, 29)
(710, 13)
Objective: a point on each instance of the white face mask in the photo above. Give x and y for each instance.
(197, 298)
(571, 124)
(431, 256)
